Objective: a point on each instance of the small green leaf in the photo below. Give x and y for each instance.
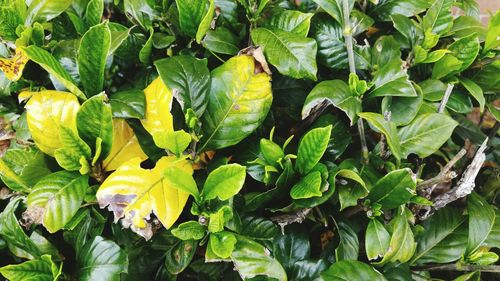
(352, 270)
(222, 41)
(492, 41)
(222, 243)
(309, 186)
(392, 80)
(475, 91)
(74, 148)
(45, 10)
(291, 21)
(191, 14)
(466, 50)
(179, 255)
(182, 180)
(93, 13)
(43, 269)
(376, 239)
(21, 169)
(350, 193)
(190, 230)
(312, 146)
(101, 259)
(385, 127)
(128, 104)
(92, 54)
(348, 248)
(394, 189)
(205, 22)
(224, 182)
(447, 65)
(438, 18)
(95, 120)
(176, 141)
(147, 49)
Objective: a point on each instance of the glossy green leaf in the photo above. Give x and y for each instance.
(438, 18)
(348, 248)
(182, 180)
(291, 21)
(259, 228)
(351, 270)
(394, 189)
(386, 8)
(147, 49)
(188, 78)
(95, 120)
(492, 40)
(402, 243)
(222, 41)
(309, 186)
(339, 136)
(291, 247)
(177, 141)
(376, 239)
(93, 13)
(43, 269)
(251, 259)
(447, 65)
(191, 14)
(336, 93)
(190, 230)
(466, 50)
(52, 66)
(140, 11)
(350, 193)
(387, 128)
(45, 10)
(450, 249)
(128, 104)
(21, 169)
(60, 195)
(475, 91)
(238, 98)
(433, 89)
(312, 146)
(335, 8)
(438, 227)
(224, 182)
(92, 53)
(481, 222)
(206, 21)
(291, 54)
(466, 25)
(392, 80)
(222, 243)
(403, 109)
(101, 259)
(179, 255)
(72, 150)
(426, 134)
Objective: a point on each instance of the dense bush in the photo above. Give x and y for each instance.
(248, 139)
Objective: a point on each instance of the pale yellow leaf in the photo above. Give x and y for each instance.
(125, 146)
(13, 67)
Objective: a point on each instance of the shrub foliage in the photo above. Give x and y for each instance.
(248, 139)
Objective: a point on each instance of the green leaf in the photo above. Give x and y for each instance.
(257, 228)
(190, 230)
(402, 244)
(437, 228)
(386, 8)
(206, 21)
(426, 134)
(291, 247)
(392, 80)
(179, 256)
(92, 53)
(466, 50)
(335, 8)
(447, 65)
(394, 189)
(101, 259)
(493, 239)
(95, 120)
(232, 106)
(336, 93)
(466, 25)
(312, 146)
(222, 243)
(350, 193)
(147, 49)
(74, 148)
(60, 195)
(433, 89)
(348, 248)
(52, 66)
(189, 79)
(339, 137)
(45, 10)
(218, 219)
(407, 27)
(251, 259)
(180, 179)
(119, 35)
(289, 20)
(492, 41)
(10, 231)
(222, 41)
(93, 13)
(450, 249)
(387, 128)
(291, 54)
(128, 104)
(481, 222)
(224, 182)
(177, 141)
(43, 269)
(191, 14)
(438, 18)
(21, 169)
(376, 239)
(403, 109)
(140, 11)
(309, 186)
(351, 270)
(475, 91)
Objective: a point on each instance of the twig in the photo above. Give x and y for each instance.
(445, 175)
(460, 267)
(286, 219)
(464, 186)
(446, 96)
(352, 69)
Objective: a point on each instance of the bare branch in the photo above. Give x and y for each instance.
(446, 96)
(286, 219)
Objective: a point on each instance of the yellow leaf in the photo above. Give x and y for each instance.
(158, 121)
(13, 68)
(132, 193)
(125, 146)
(46, 111)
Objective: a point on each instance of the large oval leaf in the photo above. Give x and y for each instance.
(46, 112)
(101, 259)
(133, 193)
(125, 146)
(238, 103)
(394, 189)
(481, 221)
(311, 148)
(159, 121)
(426, 134)
(392, 80)
(224, 182)
(376, 239)
(292, 54)
(43, 269)
(60, 195)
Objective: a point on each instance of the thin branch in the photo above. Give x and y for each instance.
(445, 175)
(446, 96)
(352, 69)
(286, 219)
(460, 267)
